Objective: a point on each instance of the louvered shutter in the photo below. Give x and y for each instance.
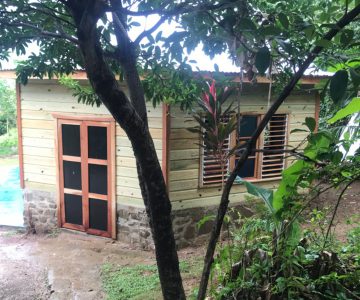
(274, 140)
(211, 171)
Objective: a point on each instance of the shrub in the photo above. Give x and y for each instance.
(8, 143)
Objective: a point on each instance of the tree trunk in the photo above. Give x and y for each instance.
(107, 88)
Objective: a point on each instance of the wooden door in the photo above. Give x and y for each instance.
(85, 161)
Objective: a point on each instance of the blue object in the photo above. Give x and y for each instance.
(11, 197)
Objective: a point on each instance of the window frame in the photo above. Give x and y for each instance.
(259, 156)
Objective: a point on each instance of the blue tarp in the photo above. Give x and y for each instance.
(11, 200)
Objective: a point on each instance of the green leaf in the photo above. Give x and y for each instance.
(137, 24)
(346, 37)
(283, 20)
(351, 108)
(262, 60)
(264, 194)
(310, 123)
(298, 130)
(270, 30)
(246, 24)
(338, 85)
(204, 220)
(355, 78)
(309, 31)
(323, 43)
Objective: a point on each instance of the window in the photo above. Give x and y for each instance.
(266, 164)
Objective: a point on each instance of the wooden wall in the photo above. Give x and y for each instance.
(41, 98)
(184, 154)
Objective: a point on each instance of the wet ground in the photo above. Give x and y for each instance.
(66, 266)
(11, 201)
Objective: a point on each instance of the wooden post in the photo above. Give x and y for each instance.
(19, 129)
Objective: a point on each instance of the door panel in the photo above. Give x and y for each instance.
(98, 213)
(71, 142)
(72, 175)
(97, 142)
(98, 179)
(73, 209)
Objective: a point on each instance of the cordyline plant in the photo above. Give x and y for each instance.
(216, 124)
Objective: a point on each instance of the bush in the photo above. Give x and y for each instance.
(9, 143)
(255, 265)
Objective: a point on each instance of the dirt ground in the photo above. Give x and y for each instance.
(66, 266)
(348, 210)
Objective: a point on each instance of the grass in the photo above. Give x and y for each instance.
(140, 281)
(8, 143)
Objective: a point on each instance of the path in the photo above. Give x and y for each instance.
(67, 266)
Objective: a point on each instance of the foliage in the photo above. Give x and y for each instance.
(352, 107)
(270, 257)
(8, 143)
(249, 267)
(84, 94)
(7, 107)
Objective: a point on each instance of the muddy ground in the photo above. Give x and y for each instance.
(66, 265)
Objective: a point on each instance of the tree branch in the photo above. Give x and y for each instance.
(345, 20)
(61, 35)
(150, 31)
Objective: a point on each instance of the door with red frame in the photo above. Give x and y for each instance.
(86, 176)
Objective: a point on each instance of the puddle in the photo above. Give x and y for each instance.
(11, 201)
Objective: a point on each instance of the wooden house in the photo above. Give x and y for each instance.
(78, 170)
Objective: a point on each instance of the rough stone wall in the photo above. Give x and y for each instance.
(39, 211)
(133, 226)
(40, 216)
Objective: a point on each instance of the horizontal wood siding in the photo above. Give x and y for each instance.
(185, 152)
(41, 99)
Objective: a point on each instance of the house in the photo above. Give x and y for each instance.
(78, 170)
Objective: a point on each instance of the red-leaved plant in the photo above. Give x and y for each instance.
(216, 124)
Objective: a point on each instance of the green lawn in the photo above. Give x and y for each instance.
(142, 282)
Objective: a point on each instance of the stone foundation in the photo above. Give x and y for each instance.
(133, 226)
(40, 214)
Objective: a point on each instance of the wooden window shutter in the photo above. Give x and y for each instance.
(210, 170)
(275, 139)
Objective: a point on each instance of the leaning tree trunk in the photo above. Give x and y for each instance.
(107, 88)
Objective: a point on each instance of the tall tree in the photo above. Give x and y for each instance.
(95, 35)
